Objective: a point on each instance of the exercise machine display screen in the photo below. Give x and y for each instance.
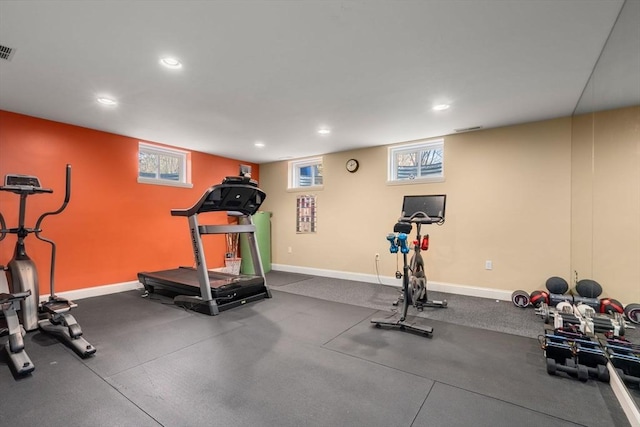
(21, 181)
(432, 205)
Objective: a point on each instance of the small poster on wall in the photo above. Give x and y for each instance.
(306, 214)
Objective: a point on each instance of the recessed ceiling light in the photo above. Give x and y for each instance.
(441, 107)
(171, 62)
(324, 131)
(106, 101)
(259, 144)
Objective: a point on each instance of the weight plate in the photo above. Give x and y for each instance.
(632, 311)
(520, 298)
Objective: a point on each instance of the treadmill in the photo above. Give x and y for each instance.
(210, 292)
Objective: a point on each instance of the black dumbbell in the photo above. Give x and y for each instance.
(570, 367)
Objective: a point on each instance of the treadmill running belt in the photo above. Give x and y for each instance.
(185, 277)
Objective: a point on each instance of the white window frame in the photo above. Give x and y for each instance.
(392, 170)
(294, 173)
(184, 179)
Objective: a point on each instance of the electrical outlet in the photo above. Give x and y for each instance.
(289, 250)
(377, 257)
(488, 265)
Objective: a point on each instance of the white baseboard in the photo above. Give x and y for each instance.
(451, 288)
(96, 291)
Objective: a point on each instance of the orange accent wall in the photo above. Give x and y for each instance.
(113, 227)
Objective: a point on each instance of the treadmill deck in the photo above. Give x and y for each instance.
(185, 280)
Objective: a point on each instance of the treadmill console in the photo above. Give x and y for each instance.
(240, 180)
(236, 195)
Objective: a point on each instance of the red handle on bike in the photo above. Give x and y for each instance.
(425, 243)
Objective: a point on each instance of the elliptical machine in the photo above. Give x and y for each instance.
(52, 316)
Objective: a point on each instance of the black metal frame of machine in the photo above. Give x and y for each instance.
(208, 291)
(417, 210)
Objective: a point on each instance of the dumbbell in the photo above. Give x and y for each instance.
(628, 379)
(626, 361)
(585, 355)
(570, 367)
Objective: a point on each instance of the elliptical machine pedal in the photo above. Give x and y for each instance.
(66, 327)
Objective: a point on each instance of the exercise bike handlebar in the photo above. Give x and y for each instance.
(421, 218)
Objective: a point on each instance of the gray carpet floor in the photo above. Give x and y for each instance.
(484, 313)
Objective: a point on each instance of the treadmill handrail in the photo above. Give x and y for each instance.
(223, 229)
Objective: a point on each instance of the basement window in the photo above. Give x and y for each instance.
(416, 163)
(163, 166)
(305, 173)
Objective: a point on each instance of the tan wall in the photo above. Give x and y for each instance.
(508, 200)
(606, 201)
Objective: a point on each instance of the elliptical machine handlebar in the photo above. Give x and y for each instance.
(67, 197)
(3, 228)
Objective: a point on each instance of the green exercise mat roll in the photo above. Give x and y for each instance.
(262, 221)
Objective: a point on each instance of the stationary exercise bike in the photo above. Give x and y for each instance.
(416, 210)
(417, 276)
(52, 316)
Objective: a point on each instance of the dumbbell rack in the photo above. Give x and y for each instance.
(586, 320)
(574, 354)
(572, 347)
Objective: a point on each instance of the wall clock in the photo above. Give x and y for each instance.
(352, 165)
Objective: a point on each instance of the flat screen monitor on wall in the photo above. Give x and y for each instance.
(432, 205)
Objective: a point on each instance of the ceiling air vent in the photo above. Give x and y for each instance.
(468, 129)
(6, 52)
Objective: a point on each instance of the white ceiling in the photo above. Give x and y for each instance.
(274, 71)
